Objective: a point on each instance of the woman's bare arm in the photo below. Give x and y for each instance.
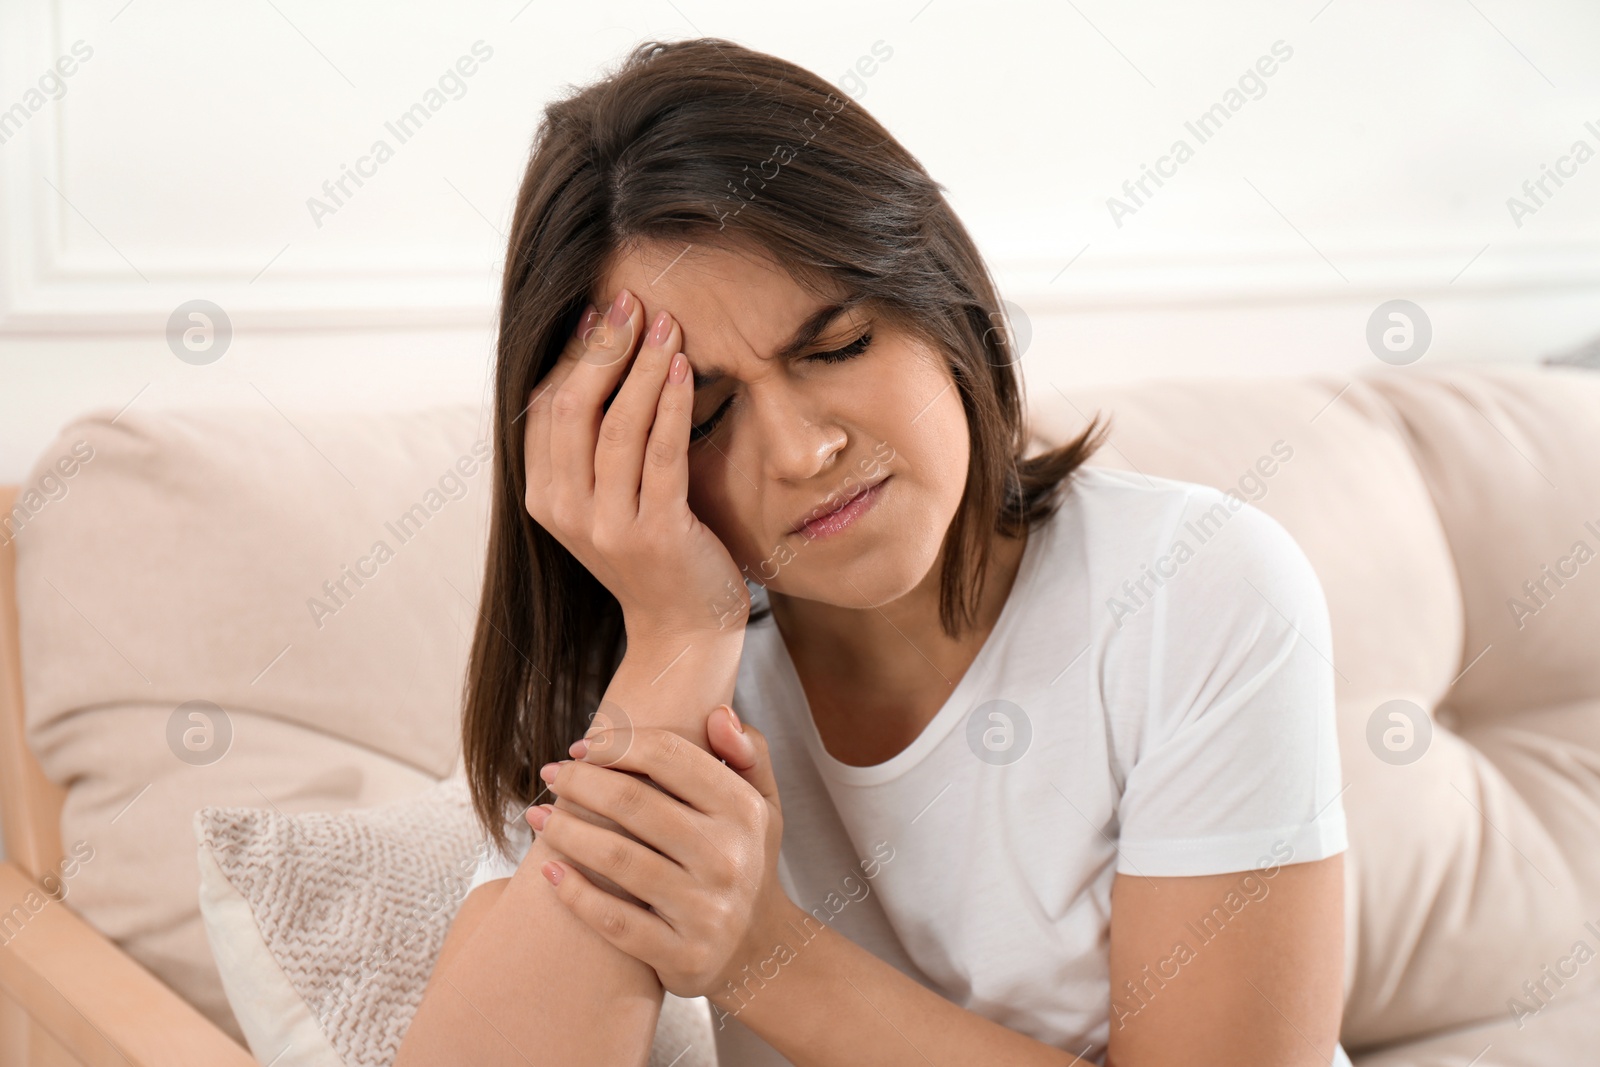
(1266, 991)
(468, 916)
(1228, 969)
(527, 982)
(823, 1001)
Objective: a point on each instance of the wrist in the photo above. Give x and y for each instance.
(775, 940)
(673, 681)
(728, 610)
(656, 636)
(674, 655)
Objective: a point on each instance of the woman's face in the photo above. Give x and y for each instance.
(778, 440)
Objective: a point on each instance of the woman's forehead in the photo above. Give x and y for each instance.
(726, 302)
(688, 279)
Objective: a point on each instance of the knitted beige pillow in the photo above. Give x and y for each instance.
(325, 926)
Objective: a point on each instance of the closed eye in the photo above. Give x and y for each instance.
(837, 355)
(849, 351)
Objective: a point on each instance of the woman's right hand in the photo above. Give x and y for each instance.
(612, 486)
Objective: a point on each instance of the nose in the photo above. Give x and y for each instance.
(798, 438)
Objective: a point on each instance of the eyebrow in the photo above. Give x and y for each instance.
(803, 338)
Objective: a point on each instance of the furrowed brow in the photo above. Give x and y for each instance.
(806, 336)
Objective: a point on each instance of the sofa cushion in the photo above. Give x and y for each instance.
(1479, 860)
(1564, 1030)
(1425, 498)
(187, 556)
(205, 619)
(326, 926)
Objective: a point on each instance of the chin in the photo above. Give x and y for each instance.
(859, 581)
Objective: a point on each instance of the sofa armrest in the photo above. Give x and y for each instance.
(100, 1004)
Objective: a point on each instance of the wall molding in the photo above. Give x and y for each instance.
(49, 289)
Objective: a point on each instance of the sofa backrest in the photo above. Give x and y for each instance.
(1428, 499)
(233, 557)
(239, 608)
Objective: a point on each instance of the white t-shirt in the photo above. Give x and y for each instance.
(1156, 699)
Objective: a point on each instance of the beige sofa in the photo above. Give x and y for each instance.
(228, 556)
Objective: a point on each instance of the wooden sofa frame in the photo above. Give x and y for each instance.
(69, 997)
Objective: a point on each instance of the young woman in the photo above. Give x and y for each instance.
(1033, 762)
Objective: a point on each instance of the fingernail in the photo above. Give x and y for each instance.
(621, 308)
(678, 370)
(579, 747)
(735, 717)
(538, 814)
(662, 327)
(548, 771)
(551, 872)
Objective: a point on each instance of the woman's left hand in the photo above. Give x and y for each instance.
(706, 858)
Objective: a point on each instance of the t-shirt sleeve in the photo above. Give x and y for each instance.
(1237, 764)
(493, 863)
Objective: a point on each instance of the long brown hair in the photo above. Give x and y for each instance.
(705, 141)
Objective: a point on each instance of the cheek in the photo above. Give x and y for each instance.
(953, 439)
(928, 429)
(713, 505)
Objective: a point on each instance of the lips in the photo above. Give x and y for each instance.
(813, 515)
